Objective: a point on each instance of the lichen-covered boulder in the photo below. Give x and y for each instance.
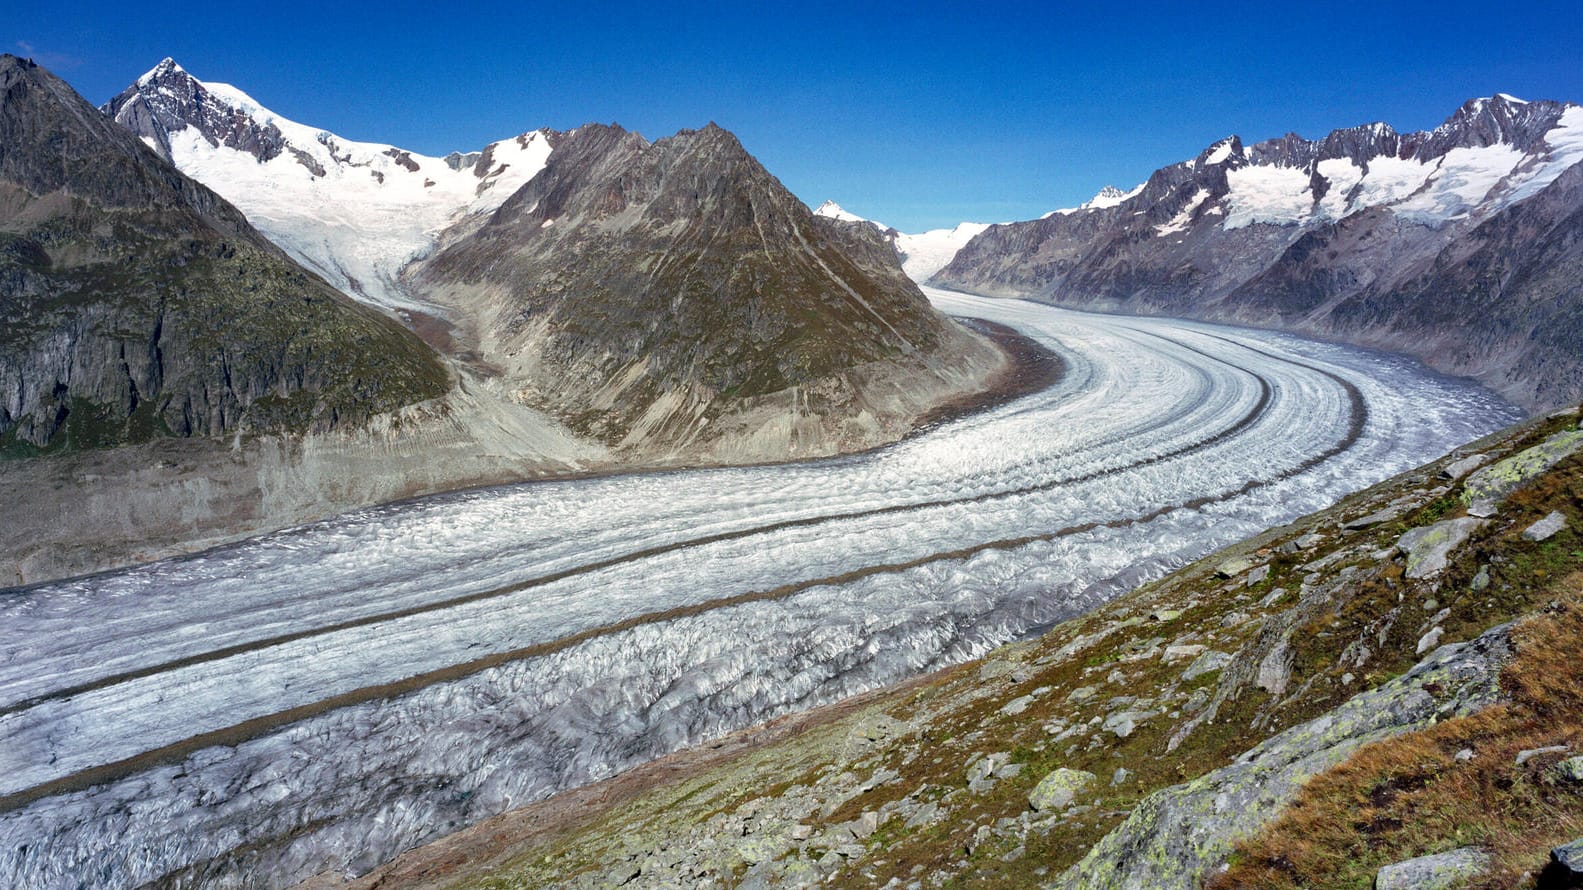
(1565, 868)
(1440, 871)
(1489, 486)
(1428, 548)
(1059, 788)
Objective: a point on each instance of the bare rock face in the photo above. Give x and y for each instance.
(652, 294)
(168, 99)
(135, 303)
(1459, 245)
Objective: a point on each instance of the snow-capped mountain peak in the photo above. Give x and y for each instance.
(835, 211)
(355, 212)
(922, 254)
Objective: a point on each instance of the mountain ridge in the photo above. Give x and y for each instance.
(1315, 236)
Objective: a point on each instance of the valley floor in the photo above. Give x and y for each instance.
(324, 698)
(1310, 705)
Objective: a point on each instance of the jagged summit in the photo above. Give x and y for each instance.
(355, 212)
(1388, 239)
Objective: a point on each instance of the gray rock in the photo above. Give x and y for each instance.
(1457, 469)
(1465, 755)
(1546, 528)
(1123, 723)
(1275, 670)
(1017, 705)
(1489, 486)
(1430, 640)
(926, 814)
(979, 767)
(1570, 770)
(1081, 694)
(1233, 567)
(1429, 547)
(1180, 653)
(1565, 869)
(1208, 662)
(1441, 871)
(1058, 789)
(1272, 597)
(1174, 837)
(1386, 515)
(1529, 754)
(1257, 576)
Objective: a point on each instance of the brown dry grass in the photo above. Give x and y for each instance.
(1409, 796)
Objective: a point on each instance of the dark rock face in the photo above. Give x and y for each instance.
(1492, 291)
(136, 303)
(645, 288)
(168, 100)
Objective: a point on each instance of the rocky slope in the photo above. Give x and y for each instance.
(136, 303)
(1148, 743)
(1381, 238)
(669, 300)
(171, 379)
(673, 298)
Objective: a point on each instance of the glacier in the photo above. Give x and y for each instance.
(322, 698)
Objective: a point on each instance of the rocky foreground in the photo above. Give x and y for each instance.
(1408, 647)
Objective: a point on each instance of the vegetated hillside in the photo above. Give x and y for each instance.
(135, 303)
(673, 296)
(1457, 245)
(1148, 743)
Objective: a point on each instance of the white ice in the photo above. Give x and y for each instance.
(886, 564)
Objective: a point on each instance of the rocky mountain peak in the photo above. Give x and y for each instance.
(1494, 120)
(682, 275)
(168, 100)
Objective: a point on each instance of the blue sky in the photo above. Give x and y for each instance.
(917, 114)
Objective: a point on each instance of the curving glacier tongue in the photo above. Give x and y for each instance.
(324, 698)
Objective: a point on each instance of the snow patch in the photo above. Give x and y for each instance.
(1182, 220)
(1264, 194)
(1220, 153)
(375, 208)
(835, 211)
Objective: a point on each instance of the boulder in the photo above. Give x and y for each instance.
(1489, 486)
(1208, 662)
(1459, 468)
(1546, 528)
(1441, 871)
(1058, 789)
(1429, 547)
(1570, 770)
(1565, 868)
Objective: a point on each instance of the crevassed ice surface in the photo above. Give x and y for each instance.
(323, 698)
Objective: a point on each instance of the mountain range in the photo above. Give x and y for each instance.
(1459, 245)
(398, 324)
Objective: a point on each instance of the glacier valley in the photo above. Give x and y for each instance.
(326, 697)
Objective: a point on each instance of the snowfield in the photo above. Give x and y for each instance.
(323, 698)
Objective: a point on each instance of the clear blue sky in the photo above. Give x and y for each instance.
(918, 114)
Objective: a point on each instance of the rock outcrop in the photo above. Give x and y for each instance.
(135, 303)
(1174, 837)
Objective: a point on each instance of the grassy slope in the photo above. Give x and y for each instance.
(795, 807)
